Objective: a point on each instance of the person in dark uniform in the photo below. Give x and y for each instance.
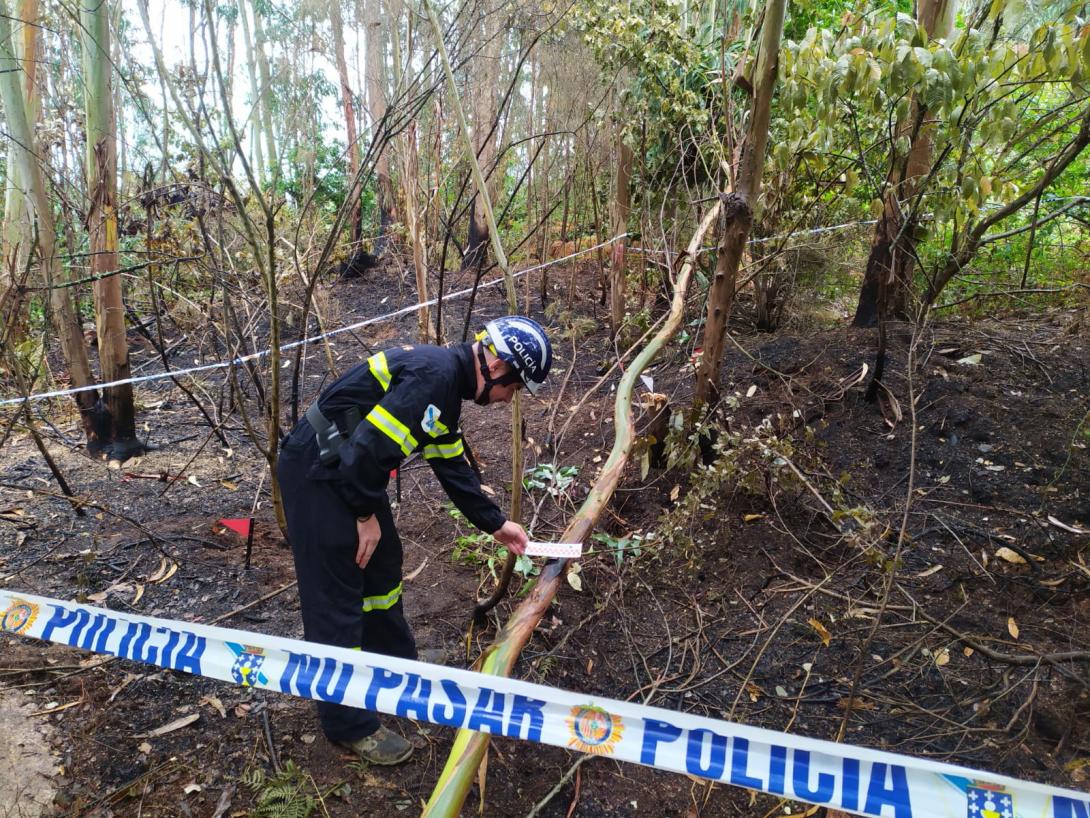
(333, 471)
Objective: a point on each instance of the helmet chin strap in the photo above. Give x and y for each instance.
(505, 380)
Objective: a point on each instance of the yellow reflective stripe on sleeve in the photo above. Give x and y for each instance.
(393, 428)
(383, 602)
(380, 370)
(446, 451)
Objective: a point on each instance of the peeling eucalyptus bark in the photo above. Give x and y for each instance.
(499, 658)
(117, 421)
(23, 152)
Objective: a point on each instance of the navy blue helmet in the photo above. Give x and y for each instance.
(522, 343)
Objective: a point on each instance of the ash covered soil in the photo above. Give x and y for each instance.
(792, 590)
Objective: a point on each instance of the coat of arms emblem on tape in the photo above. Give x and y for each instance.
(988, 801)
(593, 730)
(19, 616)
(246, 670)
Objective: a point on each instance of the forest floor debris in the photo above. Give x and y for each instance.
(757, 611)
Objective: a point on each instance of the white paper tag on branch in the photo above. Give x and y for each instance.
(562, 550)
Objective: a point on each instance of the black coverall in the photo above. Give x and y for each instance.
(404, 400)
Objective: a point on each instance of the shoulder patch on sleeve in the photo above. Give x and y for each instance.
(431, 423)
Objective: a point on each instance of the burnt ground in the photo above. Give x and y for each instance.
(768, 587)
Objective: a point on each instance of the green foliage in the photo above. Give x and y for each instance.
(319, 168)
(554, 480)
(287, 794)
(1057, 260)
(476, 549)
(630, 544)
(991, 101)
(29, 355)
(673, 67)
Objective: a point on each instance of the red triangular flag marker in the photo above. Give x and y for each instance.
(240, 526)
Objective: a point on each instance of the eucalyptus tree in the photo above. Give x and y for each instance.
(348, 105)
(256, 97)
(887, 281)
(483, 85)
(739, 205)
(24, 154)
(15, 236)
(117, 418)
(377, 85)
(265, 95)
(619, 209)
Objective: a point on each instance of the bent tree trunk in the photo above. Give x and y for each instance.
(887, 281)
(118, 420)
(737, 210)
(23, 152)
(499, 658)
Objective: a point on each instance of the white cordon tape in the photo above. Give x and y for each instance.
(174, 373)
(555, 550)
(812, 232)
(855, 779)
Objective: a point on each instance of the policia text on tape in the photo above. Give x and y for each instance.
(854, 779)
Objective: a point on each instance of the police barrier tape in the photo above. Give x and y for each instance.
(854, 779)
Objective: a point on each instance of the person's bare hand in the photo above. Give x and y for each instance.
(513, 536)
(369, 533)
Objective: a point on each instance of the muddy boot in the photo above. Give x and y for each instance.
(433, 656)
(383, 747)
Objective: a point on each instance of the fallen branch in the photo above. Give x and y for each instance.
(1007, 658)
(257, 601)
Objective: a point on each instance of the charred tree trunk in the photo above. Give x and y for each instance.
(410, 170)
(892, 258)
(735, 222)
(120, 443)
(483, 100)
(376, 107)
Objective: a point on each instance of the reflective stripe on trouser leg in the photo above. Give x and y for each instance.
(384, 628)
(382, 602)
(322, 531)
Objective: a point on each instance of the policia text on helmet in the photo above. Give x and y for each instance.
(522, 344)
